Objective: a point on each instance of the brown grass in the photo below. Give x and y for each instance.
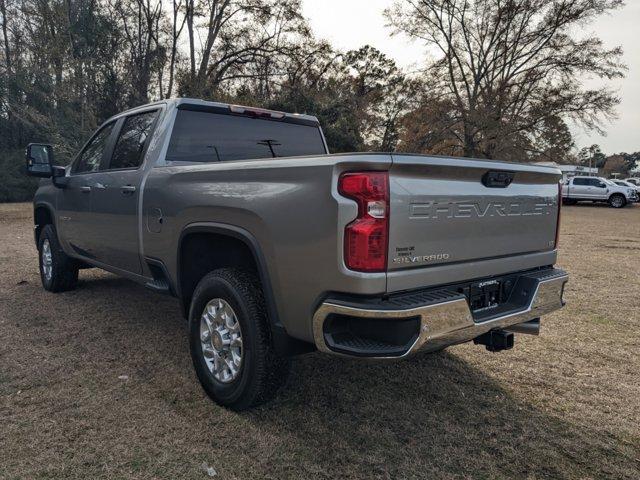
(565, 404)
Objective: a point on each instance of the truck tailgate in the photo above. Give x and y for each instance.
(450, 210)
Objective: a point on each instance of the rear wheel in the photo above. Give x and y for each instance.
(58, 271)
(230, 340)
(617, 200)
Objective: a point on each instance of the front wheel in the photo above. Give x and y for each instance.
(230, 340)
(617, 200)
(58, 271)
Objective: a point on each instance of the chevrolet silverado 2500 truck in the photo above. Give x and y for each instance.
(274, 247)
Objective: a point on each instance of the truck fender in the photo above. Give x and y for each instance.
(250, 241)
(42, 206)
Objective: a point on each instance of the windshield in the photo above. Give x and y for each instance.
(212, 137)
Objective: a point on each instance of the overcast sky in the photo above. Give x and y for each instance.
(349, 24)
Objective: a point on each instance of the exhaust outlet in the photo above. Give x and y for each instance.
(532, 327)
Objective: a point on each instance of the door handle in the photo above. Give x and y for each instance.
(85, 189)
(128, 189)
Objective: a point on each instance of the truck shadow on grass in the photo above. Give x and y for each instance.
(433, 415)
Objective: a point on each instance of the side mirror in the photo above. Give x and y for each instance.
(39, 160)
(602, 185)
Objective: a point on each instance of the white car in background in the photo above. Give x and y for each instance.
(635, 181)
(597, 189)
(626, 183)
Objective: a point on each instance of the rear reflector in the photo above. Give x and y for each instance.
(559, 210)
(366, 239)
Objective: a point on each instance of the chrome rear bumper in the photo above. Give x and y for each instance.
(451, 321)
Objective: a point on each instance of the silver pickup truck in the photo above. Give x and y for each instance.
(597, 189)
(274, 247)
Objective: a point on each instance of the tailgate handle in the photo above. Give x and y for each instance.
(495, 179)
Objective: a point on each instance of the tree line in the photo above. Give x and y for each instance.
(503, 77)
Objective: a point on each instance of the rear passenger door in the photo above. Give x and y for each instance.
(116, 193)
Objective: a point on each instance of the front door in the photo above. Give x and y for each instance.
(116, 194)
(74, 201)
(599, 189)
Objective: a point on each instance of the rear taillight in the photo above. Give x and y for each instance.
(559, 210)
(366, 238)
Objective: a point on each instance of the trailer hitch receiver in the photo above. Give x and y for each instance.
(495, 340)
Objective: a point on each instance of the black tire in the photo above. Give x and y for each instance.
(617, 200)
(64, 269)
(262, 372)
(569, 201)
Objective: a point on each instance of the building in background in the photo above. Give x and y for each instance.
(569, 171)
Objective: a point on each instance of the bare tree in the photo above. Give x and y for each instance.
(5, 36)
(240, 38)
(220, 16)
(176, 30)
(505, 67)
(141, 26)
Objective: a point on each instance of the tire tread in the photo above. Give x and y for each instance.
(271, 370)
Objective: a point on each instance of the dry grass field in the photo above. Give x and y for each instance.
(562, 405)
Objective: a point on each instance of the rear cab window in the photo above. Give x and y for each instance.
(203, 136)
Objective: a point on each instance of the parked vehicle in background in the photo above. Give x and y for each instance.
(596, 189)
(373, 255)
(624, 183)
(633, 180)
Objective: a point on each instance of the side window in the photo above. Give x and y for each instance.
(594, 182)
(130, 144)
(580, 181)
(91, 156)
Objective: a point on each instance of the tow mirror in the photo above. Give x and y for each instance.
(39, 160)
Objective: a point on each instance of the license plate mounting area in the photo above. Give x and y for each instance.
(485, 295)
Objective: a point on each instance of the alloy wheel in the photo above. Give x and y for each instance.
(221, 340)
(47, 260)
